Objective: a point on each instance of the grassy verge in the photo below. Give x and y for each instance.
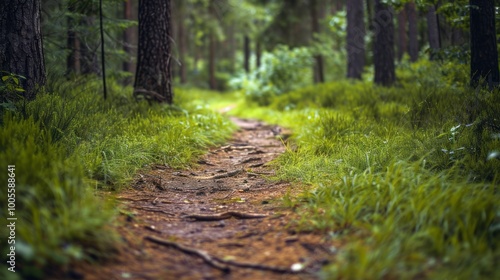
(70, 143)
(407, 176)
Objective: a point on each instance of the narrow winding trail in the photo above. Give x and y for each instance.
(220, 220)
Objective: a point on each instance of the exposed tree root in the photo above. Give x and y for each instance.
(212, 261)
(220, 176)
(225, 215)
(250, 160)
(215, 261)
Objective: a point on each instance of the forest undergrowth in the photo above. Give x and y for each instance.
(70, 148)
(407, 176)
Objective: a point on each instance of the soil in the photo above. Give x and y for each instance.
(222, 219)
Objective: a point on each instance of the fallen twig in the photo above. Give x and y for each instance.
(153, 210)
(217, 262)
(214, 262)
(225, 215)
(220, 176)
(250, 160)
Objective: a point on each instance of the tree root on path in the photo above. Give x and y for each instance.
(220, 176)
(215, 261)
(225, 215)
(202, 254)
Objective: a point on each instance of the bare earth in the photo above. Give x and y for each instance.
(221, 220)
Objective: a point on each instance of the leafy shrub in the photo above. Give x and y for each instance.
(275, 74)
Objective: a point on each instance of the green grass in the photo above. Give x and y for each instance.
(406, 177)
(69, 144)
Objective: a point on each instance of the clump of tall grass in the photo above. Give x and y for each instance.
(407, 176)
(67, 144)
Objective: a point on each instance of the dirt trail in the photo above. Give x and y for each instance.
(221, 220)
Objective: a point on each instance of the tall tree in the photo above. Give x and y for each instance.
(484, 53)
(153, 76)
(383, 50)
(21, 49)
(433, 29)
(355, 39)
(411, 12)
(319, 76)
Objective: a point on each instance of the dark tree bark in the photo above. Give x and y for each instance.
(73, 44)
(402, 35)
(21, 48)
(88, 47)
(433, 30)
(319, 76)
(153, 75)
(484, 54)
(127, 40)
(412, 31)
(355, 39)
(246, 52)
(384, 45)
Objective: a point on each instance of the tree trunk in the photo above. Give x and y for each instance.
(484, 54)
(127, 40)
(355, 39)
(402, 35)
(412, 31)
(246, 50)
(88, 47)
(433, 30)
(73, 44)
(319, 76)
(153, 75)
(21, 48)
(384, 45)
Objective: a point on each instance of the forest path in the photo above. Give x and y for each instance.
(220, 220)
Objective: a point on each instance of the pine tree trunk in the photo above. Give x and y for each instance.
(21, 48)
(402, 35)
(355, 39)
(384, 45)
(484, 54)
(412, 31)
(433, 30)
(153, 75)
